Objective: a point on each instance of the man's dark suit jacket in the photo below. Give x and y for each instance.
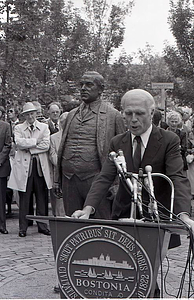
(5, 147)
(51, 127)
(163, 154)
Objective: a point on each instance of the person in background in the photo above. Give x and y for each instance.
(40, 117)
(190, 163)
(13, 120)
(174, 120)
(54, 111)
(2, 113)
(85, 143)
(5, 147)
(157, 117)
(31, 170)
(56, 199)
(163, 123)
(187, 122)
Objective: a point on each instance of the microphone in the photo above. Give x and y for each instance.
(113, 157)
(118, 163)
(150, 205)
(139, 192)
(122, 160)
(148, 170)
(123, 164)
(153, 203)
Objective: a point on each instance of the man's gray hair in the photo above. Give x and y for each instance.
(139, 93)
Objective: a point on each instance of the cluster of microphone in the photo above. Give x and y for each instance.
(135, 183)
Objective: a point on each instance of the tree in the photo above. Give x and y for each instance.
(180, 58)
(106, 24)
(21, 32)
(32, 49)
(47, 45)
(125, 75)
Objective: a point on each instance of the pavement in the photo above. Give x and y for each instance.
(27, 267)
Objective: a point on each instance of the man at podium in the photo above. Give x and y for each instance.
(142, 145)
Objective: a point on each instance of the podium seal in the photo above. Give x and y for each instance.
(103, 262)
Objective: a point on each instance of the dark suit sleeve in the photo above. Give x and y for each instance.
(6, 144)
(174, 170)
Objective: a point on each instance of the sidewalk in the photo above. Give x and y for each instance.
(27, 269)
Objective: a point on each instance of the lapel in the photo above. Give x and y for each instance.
(80, 109)
(51, 126)
(64, 134)
(1, 131)
(153, 146)
(126, 146)
(57, 139)
(101, 127)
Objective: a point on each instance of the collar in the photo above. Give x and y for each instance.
(94, 106)
(15, 122)
(144, 136)
(54, 122)
(36, 125)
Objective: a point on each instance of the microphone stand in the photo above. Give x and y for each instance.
(136, 186)
(172, 190)
(134, 198)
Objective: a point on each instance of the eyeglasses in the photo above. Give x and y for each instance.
(10, 110)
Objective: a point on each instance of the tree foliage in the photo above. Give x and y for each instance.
(46, 45)
(126, 75)
(106, 23)
(180, 58)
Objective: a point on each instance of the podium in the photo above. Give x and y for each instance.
(108, 259)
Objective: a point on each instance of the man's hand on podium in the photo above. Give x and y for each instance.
(186, 219)
(84, 213)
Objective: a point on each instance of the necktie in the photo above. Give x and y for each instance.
(85, 110)
(56, 127)
(137, 155)
(32, 127)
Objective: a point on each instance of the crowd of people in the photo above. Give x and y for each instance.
(181, 122)
(59, 158)
(32, 141)
(64, 158)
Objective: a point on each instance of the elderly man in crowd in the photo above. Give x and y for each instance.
(12, 118)
(85, 143)
(5, 147)
(31, 171)
(56, 199)
(54, 111)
